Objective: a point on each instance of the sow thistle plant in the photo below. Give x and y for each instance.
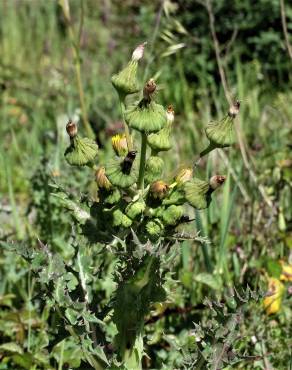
(136, 207)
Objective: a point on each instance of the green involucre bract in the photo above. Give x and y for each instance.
(155, 227)
(120, 219)
(125, 82)
(81, 151)
(135, 209)
(111, 196)
(197, 193)
(118, 177)
(153, 169)
(161, 140)
(172, 215)
(221, 133)
(175, 196)
(146, 117)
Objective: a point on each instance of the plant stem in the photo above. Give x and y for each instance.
(75, 45)
(61, 355)
(127, 131)
(142, 161)
(285, 28)
(86, 123)
(154, 152)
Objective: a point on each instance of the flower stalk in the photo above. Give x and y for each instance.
(126, 128)
(75, 45)
(142, 161)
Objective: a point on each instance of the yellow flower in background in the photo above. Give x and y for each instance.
(286, 274)
(273, 299)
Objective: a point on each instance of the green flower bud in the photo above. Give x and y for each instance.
(153, 169)
(120, 219)
(198, 192)
(155, 227)
(172, 215)
(135, 209)
(111, 196)
(123, 173)
(125, 82)
(146, 117)
(221, 133)
(175, 196)
(119, 144)
(161, 140)
(155, 212)
(81, 151)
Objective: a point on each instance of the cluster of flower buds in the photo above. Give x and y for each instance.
(156, 210)
(135, 203)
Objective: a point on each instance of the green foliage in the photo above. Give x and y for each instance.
(131, 275)
(139, 277)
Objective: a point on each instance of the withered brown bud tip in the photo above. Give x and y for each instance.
(234, 109)
(149, 88)
(71, 128)
(159, 189)
(217, 181)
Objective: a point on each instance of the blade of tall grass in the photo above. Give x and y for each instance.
(227, 207)
(205, 247)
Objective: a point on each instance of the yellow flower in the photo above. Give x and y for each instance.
(273, 299)
(184, 175)
(286, 271)
(119, 144)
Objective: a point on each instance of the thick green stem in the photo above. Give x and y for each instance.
(154, 152)
(207, 150)
(127, 131)
(142, 161)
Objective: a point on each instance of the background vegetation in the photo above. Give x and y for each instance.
(201, 54)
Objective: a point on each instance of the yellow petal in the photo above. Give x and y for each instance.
(273, 299)
(286, 271)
